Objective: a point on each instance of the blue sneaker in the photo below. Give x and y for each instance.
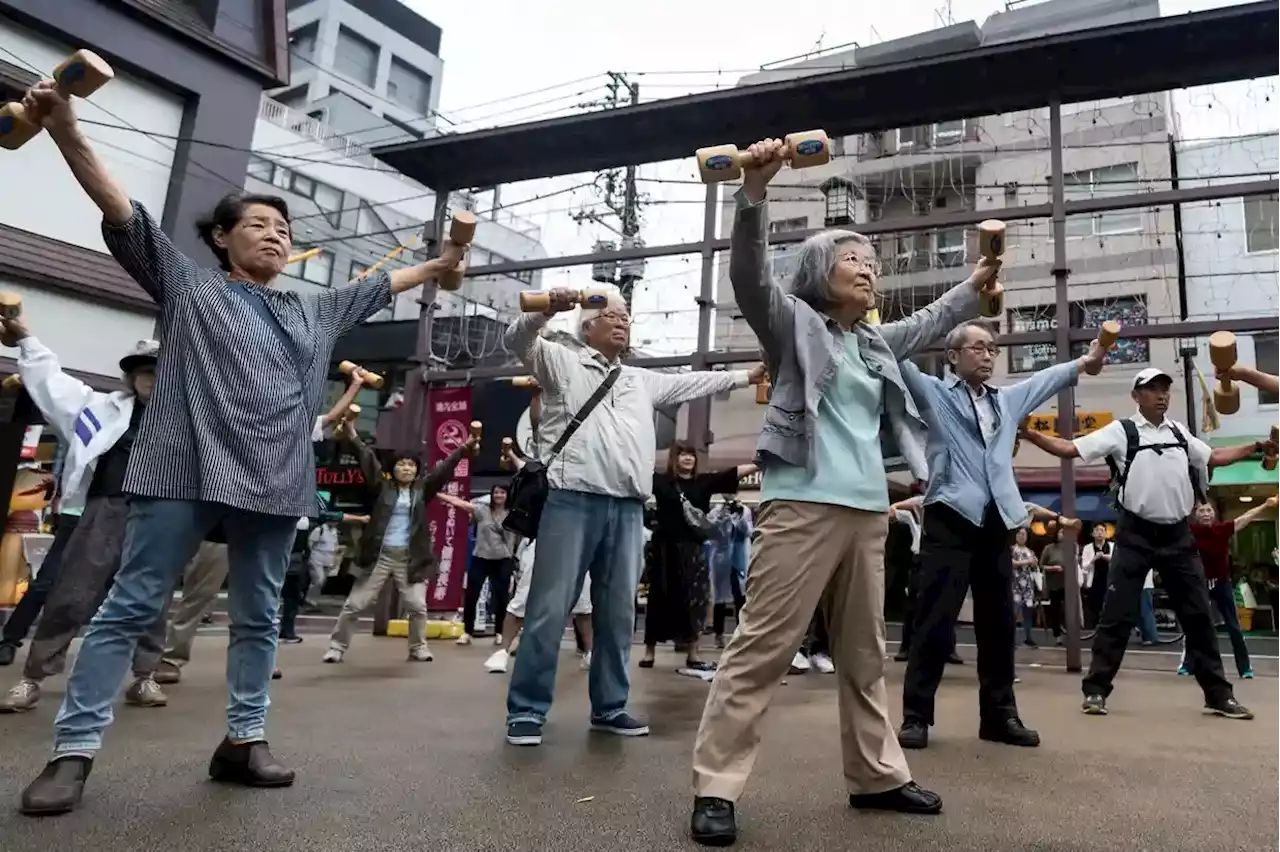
(1182, 670)
(524, 734)
(624, 725)
(1247, 674)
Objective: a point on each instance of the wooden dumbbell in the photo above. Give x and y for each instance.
(725, 162)
(11, 382)
(524, 382)
(539, 301)
(352, 412)
(452, 279)
(476, 428)
(1269, 459)
(10, 305)
(371, 378)
(1107, 337)
(991, 246)
(1070, 523)
(508, 446)
(1222, 352)
(1017, 439)
(762, 392)
(82, 74)
(462, 230)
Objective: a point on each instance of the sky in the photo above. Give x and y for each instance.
(517, 61)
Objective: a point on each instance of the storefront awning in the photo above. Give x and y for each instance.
(1247, 472)
(1090, 505)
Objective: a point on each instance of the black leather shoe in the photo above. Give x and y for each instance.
(1010, 732)
(913, 734)
(58, 788)
(910, 798)
(955, 659)
(7, 653)
(249, 764)
(713, 823)
(902, 656)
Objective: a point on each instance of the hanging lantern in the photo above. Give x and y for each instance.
(841, 196)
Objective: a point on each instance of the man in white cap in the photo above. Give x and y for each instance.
(1159, 469)
(99, 429)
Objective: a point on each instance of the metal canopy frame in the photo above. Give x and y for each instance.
(1154, 55)
(1238, 42)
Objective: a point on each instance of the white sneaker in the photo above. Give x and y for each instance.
(497, 639)
(823, 663)
(799, 664)
(144, 692)
(420, 654)
(497, 662)
(24, 695)
(333, 655)
(584, 662)
(464, 639)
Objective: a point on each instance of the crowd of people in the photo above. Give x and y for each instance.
(202, 468)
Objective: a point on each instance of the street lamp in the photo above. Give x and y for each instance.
(841, 194)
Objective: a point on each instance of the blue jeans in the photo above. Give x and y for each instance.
(160, 539)
(580, 533)
(1147, 616)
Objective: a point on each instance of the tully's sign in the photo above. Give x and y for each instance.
(338, 477)
(1085, 422)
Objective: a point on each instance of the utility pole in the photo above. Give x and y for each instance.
(622, 274)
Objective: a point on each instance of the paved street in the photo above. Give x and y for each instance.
(393, 755)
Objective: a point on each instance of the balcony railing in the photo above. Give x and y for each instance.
(947, 249)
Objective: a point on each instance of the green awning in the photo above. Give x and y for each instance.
(1247, 472)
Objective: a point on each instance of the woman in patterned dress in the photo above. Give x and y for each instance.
(1024, 584)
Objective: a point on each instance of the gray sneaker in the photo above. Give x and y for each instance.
(167, 673)
(333, 655)
(24, 695)
(1094, 705)
(145, 692)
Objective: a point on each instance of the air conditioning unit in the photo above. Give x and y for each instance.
(887, 142)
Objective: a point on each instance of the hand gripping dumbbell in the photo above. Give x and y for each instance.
(10, 308)
(1268, 458)
(1222, 352)
(82, 74)
(539, 301)
(991, 246)
(461, 232)
(371, 378)
(726, 162)
(1107, 337)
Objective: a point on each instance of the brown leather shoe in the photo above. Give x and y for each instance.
(248, 764)
(58, 788)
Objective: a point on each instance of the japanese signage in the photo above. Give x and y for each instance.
(1085, 422)
(448, 426)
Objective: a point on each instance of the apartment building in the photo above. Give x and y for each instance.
(1230, 264)
(1123, 265)
(186, 74)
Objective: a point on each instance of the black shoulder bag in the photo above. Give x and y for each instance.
(528, 491)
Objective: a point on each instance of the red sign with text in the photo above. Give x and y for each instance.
(448, 426)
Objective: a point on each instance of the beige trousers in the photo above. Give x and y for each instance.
(393, 565)
(803, 555)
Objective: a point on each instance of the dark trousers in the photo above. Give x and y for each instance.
(292, 595)
(1096, 594)
(1223, 597)
(817, 640)
(1056, 611)
(1170, 550)
(954, 554)
(720, 612)
(498, 573)
(911, 604)
(28, 609)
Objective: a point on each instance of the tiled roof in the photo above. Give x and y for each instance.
(63, 266)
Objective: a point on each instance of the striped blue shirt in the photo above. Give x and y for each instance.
(232, 412)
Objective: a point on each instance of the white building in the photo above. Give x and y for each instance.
(1230, 262)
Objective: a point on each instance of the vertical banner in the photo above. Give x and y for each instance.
(448, 427)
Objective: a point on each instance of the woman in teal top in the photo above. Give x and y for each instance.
(820, 532)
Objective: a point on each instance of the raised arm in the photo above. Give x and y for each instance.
(764, 305)
(432, 481)
(1255, 513)
(671, 388)
(1027, 395)
(457, 502)
(344, 402)
(547, 361)
(369, 464)
(59, 397)
(931, 323)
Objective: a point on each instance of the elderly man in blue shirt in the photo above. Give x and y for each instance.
(972, 507)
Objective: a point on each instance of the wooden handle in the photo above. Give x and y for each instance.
(1109, 334)
(524, 381)
(463, 228)
(10, 305)
(1070, 523)
(304, 255)
(369, 377)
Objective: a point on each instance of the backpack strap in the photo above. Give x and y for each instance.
(1120, 475)
(1197, 486)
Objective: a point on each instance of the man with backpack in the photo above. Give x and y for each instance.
(1160, 471)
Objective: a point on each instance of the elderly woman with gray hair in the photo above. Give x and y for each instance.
(821, 528)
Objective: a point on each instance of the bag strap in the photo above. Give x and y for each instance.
(584, 412)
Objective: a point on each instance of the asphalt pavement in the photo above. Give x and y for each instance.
(394, 755)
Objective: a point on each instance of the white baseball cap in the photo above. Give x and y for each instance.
(1149, 375)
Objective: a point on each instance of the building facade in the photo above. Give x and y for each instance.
(1123, 265)
(174, 127)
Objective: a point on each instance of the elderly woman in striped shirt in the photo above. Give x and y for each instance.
(226, 441)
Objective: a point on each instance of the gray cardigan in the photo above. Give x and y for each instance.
(801, 347)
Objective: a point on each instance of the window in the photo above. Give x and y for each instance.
(1128, 310)
(409, 87)
(948, 131)
(260, 168)
(317, 270)
(357, 269)
(356, 57)
(1265, 359)
(303, 185)
(949, 246)
(1260, 213)
(367, 222)
(785, 226)
(785, 261)
(282, 177)
(1100, 183)
(329, 199)
(302, 41)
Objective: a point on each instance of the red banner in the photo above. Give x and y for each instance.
(448, 426)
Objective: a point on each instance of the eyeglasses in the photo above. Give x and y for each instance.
(980, 348)
(872, 262)
(615, 318)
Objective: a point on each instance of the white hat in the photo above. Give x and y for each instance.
(1149, 375)
(145, 353)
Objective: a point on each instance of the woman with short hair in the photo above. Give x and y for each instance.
(821, 528)
(226, 441)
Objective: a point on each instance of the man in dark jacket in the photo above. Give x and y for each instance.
(396, 543)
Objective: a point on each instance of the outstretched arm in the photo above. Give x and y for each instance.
(1260, 380)
(934, 321)
(1222, 456)
(671, 388)
(1051, 444)
(1255, 513)
(457, 502)
(59, 397)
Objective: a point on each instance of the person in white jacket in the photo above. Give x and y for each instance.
(99, 429)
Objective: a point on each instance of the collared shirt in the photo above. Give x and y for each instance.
(905, 516)
(613, 451)
(1157, 486)
(984, 409)
(492, 541)
(967, 469)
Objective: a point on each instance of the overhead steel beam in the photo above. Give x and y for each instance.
(933, 221)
